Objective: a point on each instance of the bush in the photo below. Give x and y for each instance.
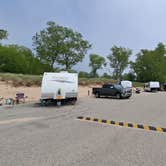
(15, 59)
(83, 74)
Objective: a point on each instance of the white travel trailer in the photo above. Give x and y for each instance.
(152, 86)
(126, 84)
(59, 87)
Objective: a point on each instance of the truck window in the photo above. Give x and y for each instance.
(118, 86)
(104, 86)
(107, 86)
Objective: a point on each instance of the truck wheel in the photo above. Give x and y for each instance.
(118, 96)
(97, 95)
(43, 103)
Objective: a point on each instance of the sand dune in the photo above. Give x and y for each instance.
(33, 93)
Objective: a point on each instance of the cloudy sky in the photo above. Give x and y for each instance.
(129, 23)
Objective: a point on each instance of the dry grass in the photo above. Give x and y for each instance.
(21, 80)
(95, 81)
(18, 80)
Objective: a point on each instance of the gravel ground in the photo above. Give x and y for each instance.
(41, 136)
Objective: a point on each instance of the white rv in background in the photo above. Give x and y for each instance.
(58, 87)
(152, 86)
(126, 84)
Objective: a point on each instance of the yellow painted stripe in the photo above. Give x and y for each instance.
(159, 129)
(108, 122)
(99, 121)
(146, 127)
(117, 123)
(125, 124)
(135, 125)
(84, 119)
(91, 119)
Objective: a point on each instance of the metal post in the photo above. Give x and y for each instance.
(88, 92)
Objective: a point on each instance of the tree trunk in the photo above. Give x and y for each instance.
(52, 65)
(67, 65)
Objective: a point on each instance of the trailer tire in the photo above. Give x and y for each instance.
(59, 103)
(73, 102)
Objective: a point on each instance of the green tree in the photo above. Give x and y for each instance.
(106, 75)
(73, 50)
(129, 76)
(3, 34)
(11, 60)
(143, 67)
(96, 62)
(119, 60)
(83, 74)
(150, 64)
(60, 44)
(29, 58)
(19, 59)
(48, 43)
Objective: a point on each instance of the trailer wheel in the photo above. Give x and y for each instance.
(59, 103)
(73, 102)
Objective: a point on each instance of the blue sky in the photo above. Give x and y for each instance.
(134, 24)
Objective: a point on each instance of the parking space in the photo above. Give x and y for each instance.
(54, 136)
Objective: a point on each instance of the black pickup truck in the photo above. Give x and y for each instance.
(112, 90)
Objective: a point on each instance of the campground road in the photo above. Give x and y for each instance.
(49, 136)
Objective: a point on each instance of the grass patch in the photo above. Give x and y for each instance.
(35, 80)
(95, 81)
(21, 79)
(138, 84)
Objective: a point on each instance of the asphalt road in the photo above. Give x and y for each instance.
(39, 136)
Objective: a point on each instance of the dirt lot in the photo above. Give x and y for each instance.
(33, 93)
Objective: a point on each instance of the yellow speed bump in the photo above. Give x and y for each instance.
(125, 124)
